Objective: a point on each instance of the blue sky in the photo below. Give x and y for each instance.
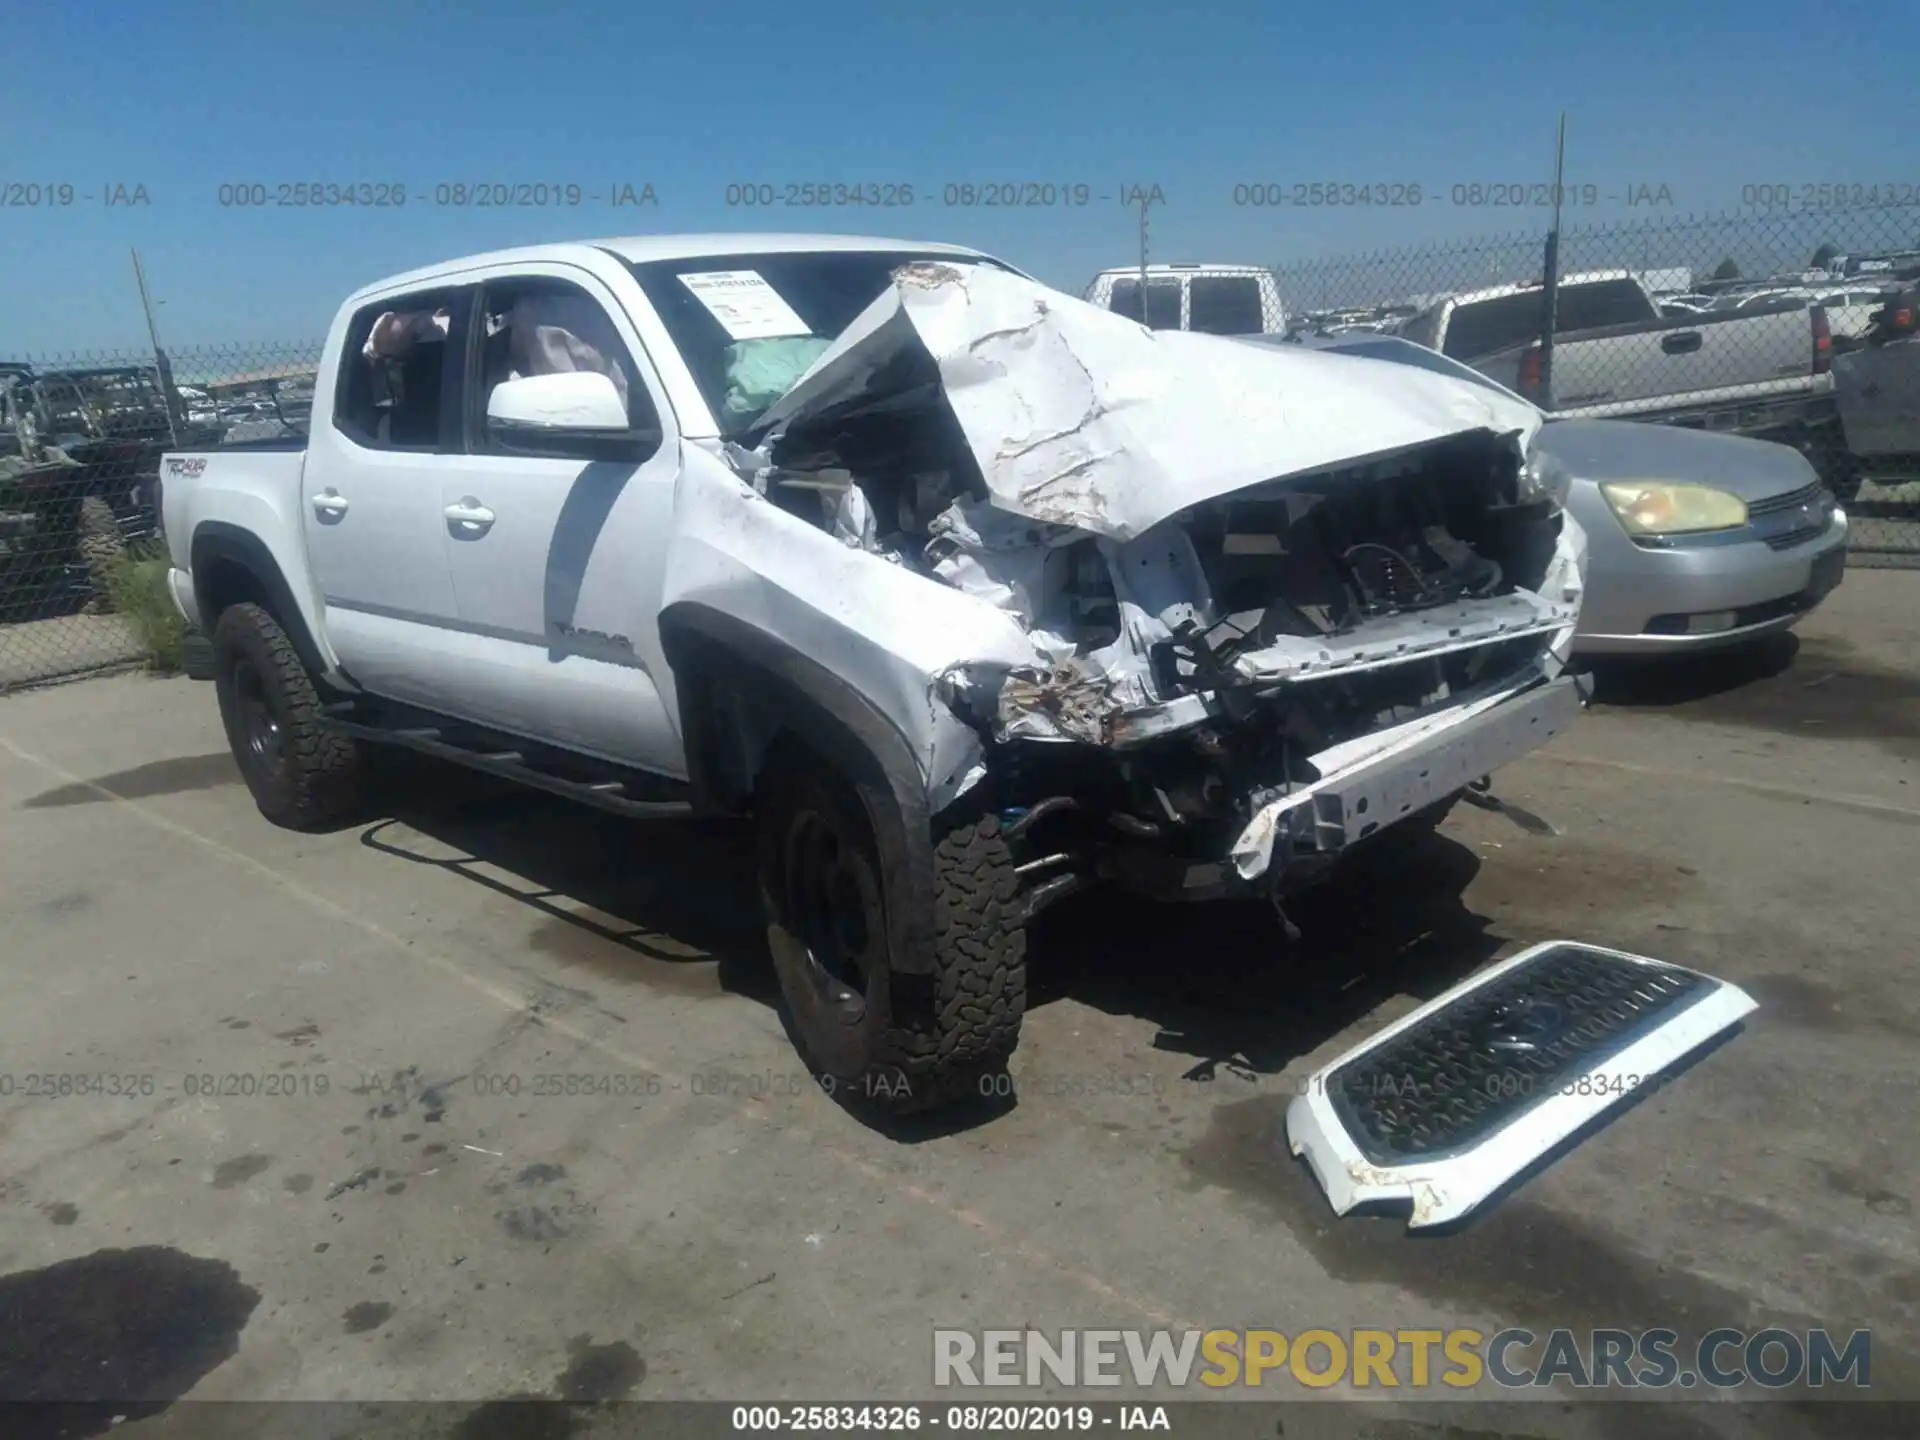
(183, 97)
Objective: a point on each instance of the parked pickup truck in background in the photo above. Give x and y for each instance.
(79, 453)
(969, 594)
(1878, 391)
(1761, 371)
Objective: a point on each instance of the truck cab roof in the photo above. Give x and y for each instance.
(639, 249)
(1500, 292)
(1181, 267)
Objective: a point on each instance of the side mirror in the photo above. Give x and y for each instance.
(573, 403)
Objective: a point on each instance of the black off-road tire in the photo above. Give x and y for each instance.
(916, 1043)
(311, 776)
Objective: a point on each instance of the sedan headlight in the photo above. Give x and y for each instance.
(1543, 477)
(1666, 507)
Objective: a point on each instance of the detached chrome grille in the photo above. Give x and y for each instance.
(1469, 1070)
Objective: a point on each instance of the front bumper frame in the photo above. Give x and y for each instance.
(1439, 756)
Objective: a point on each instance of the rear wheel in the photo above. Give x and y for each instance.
(869, 1027)
(302, 774)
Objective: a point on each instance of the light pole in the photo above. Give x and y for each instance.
(168, 396)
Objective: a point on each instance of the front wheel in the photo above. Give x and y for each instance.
(302, 774)
(871, 1028)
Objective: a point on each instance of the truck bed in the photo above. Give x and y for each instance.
(203, 484)
(1654, 367)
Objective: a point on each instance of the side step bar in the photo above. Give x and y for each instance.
(512, 765)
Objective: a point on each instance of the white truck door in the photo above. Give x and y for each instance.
(376, 539)
(558, 550)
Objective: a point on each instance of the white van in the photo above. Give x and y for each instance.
(1216, 299)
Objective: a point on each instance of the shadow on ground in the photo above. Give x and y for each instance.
(1224, 985)
(1811, 686)
(1665, 681)
(672, 907)
(113, 1336)
(666, 905)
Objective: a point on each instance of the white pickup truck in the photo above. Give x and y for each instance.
(967, 592)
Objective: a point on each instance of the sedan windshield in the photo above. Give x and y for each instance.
(748, 326)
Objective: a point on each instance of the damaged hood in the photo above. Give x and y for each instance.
(1079, 417)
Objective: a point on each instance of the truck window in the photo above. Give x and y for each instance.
(1603, 302)
(1225, 305)
(407, 397)
(538, 325)
(1482, 327)
(1163, 302)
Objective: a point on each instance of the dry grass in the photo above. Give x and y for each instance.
(137, 588)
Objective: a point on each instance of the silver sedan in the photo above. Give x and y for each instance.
(1695, 540)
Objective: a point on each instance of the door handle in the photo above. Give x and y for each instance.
(1684, 343)
(329, 504)
(470, 515)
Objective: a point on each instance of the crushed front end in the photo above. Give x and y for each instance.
(1264, 681)
(1276, 603)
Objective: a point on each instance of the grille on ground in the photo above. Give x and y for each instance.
(1468, 1071)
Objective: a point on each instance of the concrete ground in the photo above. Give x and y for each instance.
(388, 1193)
(1886, 526)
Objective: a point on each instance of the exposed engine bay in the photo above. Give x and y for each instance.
(1198, 667)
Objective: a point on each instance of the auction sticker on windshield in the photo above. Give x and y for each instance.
(746, 306)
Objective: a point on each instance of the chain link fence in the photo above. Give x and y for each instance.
(81, 436)
(1795, 326)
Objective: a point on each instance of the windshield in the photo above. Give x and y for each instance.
(748, 326)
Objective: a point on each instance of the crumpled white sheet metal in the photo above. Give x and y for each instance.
(1080, 417)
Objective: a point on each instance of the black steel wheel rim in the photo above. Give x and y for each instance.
(831, 907)
(259, 722)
